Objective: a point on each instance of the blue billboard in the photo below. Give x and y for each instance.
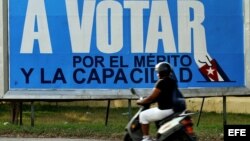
(115, 44)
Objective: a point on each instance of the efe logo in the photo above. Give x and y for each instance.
(236, 132)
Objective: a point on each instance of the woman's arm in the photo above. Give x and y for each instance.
(150, 98)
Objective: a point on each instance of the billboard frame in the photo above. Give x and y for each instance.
(77, 94)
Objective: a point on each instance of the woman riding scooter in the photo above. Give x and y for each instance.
(162, 93)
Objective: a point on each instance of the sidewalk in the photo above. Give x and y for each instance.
(47, 139)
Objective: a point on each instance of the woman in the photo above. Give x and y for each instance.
(162, 94)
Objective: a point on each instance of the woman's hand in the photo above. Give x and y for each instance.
(139, 102)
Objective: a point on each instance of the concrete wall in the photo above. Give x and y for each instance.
(214, 104)
(234, 104)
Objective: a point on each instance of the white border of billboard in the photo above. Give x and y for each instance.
(4, 83)
(247, 42)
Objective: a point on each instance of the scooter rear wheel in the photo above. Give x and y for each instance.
(179, 136)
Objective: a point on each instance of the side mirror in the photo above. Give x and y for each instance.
(132, 90)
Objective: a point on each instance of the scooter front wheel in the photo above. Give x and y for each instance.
(127, 137)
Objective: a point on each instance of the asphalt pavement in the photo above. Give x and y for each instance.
(47, 139)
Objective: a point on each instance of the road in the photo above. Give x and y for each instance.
(47, 139)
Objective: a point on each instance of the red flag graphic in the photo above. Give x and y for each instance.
(211, 73)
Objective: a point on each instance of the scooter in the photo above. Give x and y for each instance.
(176, 127)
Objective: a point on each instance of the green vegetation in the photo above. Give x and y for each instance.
(71, 119)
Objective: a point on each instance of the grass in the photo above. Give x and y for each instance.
(78, 121)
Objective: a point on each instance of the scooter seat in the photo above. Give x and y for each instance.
(166, 119)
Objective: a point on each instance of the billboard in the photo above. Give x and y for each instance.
(96, 44)
(115, 44)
